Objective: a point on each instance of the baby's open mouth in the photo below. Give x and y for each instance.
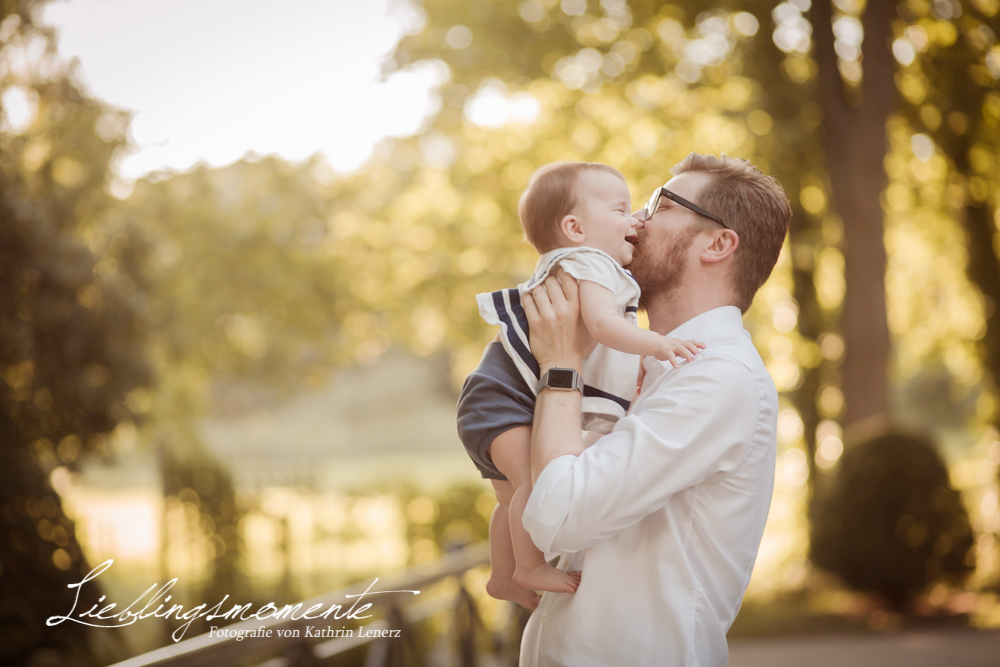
(633, 239)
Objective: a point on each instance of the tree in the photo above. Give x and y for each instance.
(855, 144)
(242, 302)
(636, 85)
(69, 334)
(950, 87)
(952, 96)
(891, 523)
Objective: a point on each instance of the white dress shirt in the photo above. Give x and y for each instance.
(664, 515)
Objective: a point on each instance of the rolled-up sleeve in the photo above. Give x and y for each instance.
(692, 423)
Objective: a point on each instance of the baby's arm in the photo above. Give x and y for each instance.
(607, 327)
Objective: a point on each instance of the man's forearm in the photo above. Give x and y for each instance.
(556, 430)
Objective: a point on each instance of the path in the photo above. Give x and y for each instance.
(933, 648)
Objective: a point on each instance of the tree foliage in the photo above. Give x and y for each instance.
(396, 251)
(825, 84)
(69, 336)
(951, 97)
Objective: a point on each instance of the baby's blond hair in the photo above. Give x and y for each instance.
(551, 195)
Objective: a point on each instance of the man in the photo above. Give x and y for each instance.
(664, 515)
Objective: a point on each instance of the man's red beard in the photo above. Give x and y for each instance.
(660, 269)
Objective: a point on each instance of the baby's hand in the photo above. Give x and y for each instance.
(671, 348)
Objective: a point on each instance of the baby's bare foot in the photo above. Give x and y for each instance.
(506, 589)
(547, 578)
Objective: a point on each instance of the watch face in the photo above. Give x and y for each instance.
(560, 378)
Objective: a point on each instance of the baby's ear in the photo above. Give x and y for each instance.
(572, 229)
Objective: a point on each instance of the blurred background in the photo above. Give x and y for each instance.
(240, 243)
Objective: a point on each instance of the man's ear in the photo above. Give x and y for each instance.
(572, 229)
(723, 245)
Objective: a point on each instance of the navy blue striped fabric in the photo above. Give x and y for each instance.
(512, 337)
(518, 346)
(594, 392)
(515, 305)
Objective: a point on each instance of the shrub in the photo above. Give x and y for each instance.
(890, 523)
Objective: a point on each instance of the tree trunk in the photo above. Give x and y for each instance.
(984, 271)
(855, 145)
(34, 576)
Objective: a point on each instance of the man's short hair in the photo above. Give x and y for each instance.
(550, 196)
(754, 205)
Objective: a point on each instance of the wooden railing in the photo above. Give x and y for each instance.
(463, 644)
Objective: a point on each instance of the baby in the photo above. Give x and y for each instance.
(578, 216)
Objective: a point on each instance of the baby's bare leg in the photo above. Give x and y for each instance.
(501, 584)
(511, 454)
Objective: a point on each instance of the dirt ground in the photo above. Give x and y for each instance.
(927, 648)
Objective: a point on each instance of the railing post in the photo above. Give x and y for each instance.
(397, 650)
(508, 639)
(463, 629)
(300, 654)
(467, 622)
(377, 653)
(385, 652)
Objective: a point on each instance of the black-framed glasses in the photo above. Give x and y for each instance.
(654, 203)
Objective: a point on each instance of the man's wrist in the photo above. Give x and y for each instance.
(572, 364)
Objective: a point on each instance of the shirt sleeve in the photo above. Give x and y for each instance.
(594, 267)
(699, 424)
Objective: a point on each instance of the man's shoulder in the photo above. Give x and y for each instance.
(731, 363)
(721, 329)
(735, 345)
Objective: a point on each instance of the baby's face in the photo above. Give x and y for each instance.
(604, 208)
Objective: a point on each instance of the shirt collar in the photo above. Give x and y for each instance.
(717, 320)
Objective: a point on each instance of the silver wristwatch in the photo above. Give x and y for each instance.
(561, 379)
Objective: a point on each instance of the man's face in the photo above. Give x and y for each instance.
(662, 255)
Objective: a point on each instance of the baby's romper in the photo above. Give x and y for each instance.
(500, 394)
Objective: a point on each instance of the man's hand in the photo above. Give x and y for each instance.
(558, 337)
(557, 333)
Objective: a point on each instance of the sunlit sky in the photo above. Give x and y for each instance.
(210, 80)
